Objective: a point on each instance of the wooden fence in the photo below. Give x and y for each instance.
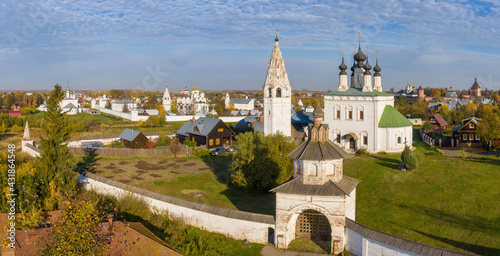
(126, 152)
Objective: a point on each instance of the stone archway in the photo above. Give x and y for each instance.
(350, 141)
(313, 225)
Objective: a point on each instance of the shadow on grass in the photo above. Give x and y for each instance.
(470, 222)
(477, 249)
(88, 161)
(386, 161)
(263, 203)
(483, 160)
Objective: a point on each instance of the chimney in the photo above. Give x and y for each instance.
(110, 222)
(261, 118)
(192, 120)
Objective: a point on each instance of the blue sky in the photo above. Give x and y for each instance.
(227, 44)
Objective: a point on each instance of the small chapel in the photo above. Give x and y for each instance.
(315, 203)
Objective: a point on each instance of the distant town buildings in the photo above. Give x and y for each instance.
(240, 104)
(192, 102)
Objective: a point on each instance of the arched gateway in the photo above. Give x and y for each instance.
(315, 203)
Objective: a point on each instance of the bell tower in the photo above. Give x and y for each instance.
(277, 95)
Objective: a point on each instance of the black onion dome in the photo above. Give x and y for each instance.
(377, 69)
(359, 56)
(367, 66)
(343, 65)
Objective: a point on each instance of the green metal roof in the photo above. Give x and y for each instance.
(357, 92)
(392, 118)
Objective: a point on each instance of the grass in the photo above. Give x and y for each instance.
(445, 202)
(204, 180)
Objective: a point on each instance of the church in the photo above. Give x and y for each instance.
(362, 115)
(192, 102)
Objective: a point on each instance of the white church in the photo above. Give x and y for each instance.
(69, 103)
(192, 102)
(362, 115)
(359, 116)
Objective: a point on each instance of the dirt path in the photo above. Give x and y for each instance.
(475, 152)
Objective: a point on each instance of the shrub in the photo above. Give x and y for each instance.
(361, 151)
(164, 141)
(15, 129)
(199, 152)
(464, 155)
(382, 153)
(116, 144)
(189, 143)
(409, 159)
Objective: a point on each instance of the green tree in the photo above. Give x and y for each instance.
(469, 110)
(401, 101)
(427, 126)
(409, 159)
(261, 162)
(125, 109)
(76, 232)
(488, 128)
(108, 105)
(173, 106)
(15, 129)
(56, 163)
(189, 143)
(444, 111)
(218, 109)
(164, 140)
(3, 128)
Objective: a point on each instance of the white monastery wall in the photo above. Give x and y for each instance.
(253, 231)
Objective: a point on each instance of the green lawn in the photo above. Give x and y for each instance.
(447, 202)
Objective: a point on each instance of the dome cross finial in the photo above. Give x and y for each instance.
(359, 36)
(277, 39)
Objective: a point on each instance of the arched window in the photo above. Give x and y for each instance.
(316, 170)
(278, 92)
(270, 92)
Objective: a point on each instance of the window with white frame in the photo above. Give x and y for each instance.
(471, 125)
(471, 136)
(465, 137)
(336, 112)
(477, 137)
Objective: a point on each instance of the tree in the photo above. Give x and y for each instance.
(56, 164)
(401, 101)
(409, 159)
(495, 98)
(489, 127)
(427, 126)
(189, 143)
(3, 128)
(261, 162)
(76, 232)
(231, 106)
(161, 110)
(15, 129)
(173, 106)
(444, 111)
(469, 110)
(125, 109)
(218, 109)
(164, 140)
(108, 105)
(176, 147)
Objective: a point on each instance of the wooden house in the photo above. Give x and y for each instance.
(133, 139)
(438, 122)
(212, 132)
(466, 132)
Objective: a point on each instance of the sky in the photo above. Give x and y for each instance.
(147, 44)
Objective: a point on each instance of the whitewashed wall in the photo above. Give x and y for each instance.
(31, 150)
(255, 232)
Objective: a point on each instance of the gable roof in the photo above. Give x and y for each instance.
(203, 126)
(466, 121)
(342, 188)
(439, 119)
(318, 150)
(69, 105)
(152, 112)
(392, 118)
(129, 134)
(240, 101)
(303, 117)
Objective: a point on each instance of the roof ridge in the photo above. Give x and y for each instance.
(338, 186)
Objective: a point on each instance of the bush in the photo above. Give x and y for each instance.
(409, 159)
(116, 144)
(16, 129)
(164, 141)
(189, 143)
(361, 151)
(382, 153)
(199, 152)
(435, 151)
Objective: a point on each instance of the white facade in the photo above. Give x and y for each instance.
(69, 104)
(354, 113)
(277, 96)
(240, 104)
(166, 100)
(192, 102)
(118, 105)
